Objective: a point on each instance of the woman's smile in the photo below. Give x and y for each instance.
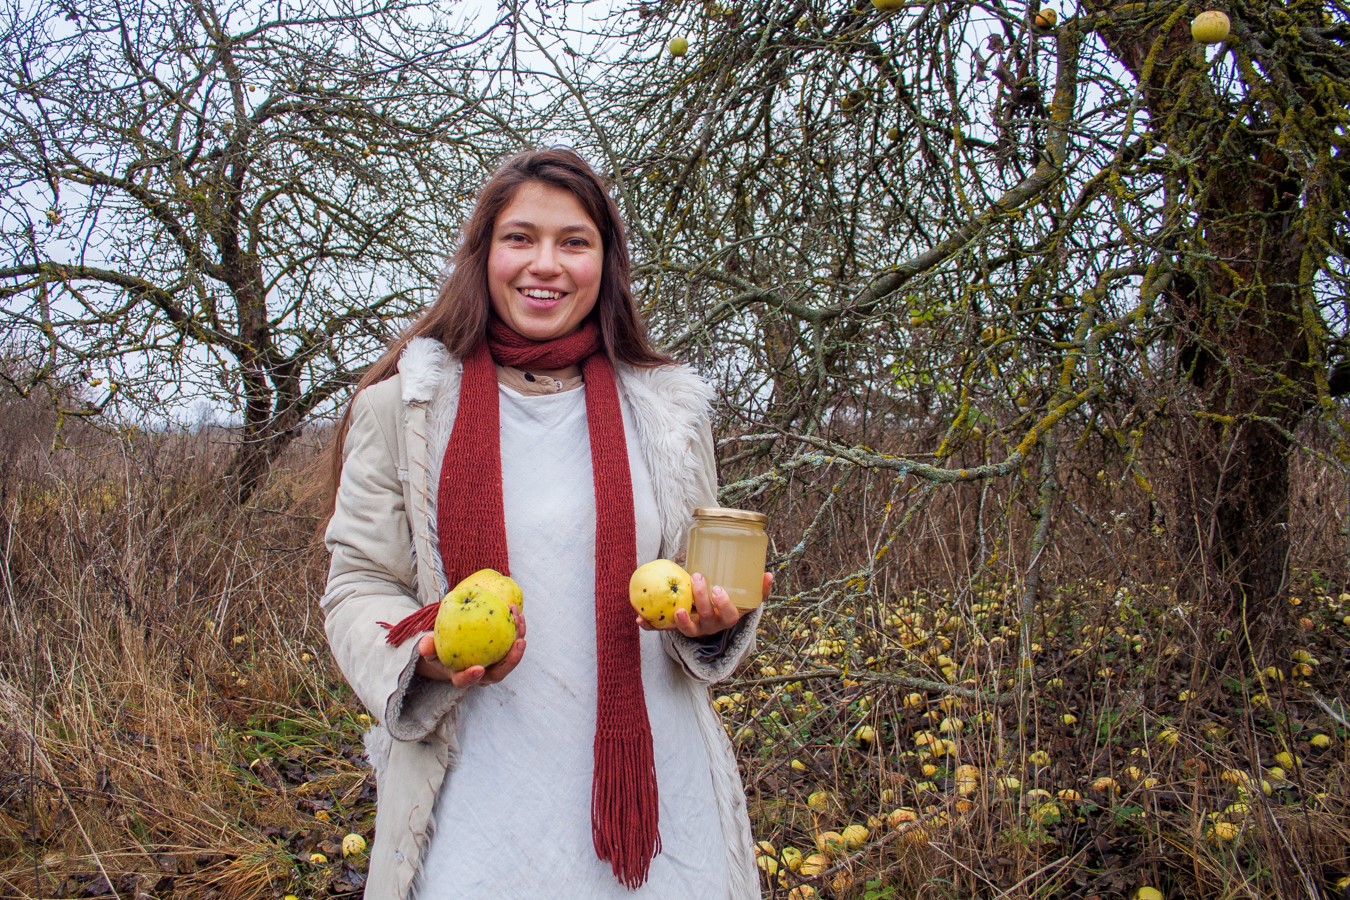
(540, 298)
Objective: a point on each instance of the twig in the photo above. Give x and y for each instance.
(910, 681)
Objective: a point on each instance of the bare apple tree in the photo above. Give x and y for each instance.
(951, 230)
(231, 201)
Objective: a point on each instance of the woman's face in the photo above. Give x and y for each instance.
(545, 262)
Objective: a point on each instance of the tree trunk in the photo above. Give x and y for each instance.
(1247, 358)
(272, 419)
(1242, 347)
(252, 462)
(1228, 512)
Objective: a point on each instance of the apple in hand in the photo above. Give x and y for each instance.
(474, 625)
(658, 588)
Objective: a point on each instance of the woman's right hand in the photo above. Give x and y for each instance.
(430, 666)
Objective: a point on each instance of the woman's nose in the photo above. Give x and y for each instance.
(546, 259)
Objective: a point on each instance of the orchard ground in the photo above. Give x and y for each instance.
(173, 725)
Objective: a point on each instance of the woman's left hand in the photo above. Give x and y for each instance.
(713, 610)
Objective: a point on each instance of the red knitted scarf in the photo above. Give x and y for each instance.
(472, 534)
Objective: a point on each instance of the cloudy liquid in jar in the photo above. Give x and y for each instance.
(730, 548)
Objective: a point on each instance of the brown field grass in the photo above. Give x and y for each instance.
(171, 724)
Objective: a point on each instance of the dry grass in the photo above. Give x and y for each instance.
(174, 727)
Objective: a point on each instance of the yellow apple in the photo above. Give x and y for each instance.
(901, 816)
(1210, 27)
(353, 845)
(855, 836)
(657, 589)
(852, 100)
(679, 46)
(820, 800)
(830, 843)
(1046, 19)
(888, 5)
(473, 628)
(504, 587)
(1046, 813)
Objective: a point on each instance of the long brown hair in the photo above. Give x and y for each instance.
(459, 315)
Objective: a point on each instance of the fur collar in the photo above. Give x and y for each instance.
(423, 365)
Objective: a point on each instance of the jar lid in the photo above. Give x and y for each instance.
(722, 512)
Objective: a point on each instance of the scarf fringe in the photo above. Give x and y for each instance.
(422, 620)
(624, 806)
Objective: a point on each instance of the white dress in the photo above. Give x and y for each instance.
(512, 821)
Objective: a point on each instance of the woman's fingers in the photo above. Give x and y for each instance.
(726, 613)
(703, 604)
(428, 664)
(468, 677)
(500, 669)
(713, 611)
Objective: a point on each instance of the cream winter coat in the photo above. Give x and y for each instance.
(385, 565)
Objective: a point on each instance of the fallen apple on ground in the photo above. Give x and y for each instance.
(353, 845)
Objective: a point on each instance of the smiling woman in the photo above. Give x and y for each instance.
(525, 423)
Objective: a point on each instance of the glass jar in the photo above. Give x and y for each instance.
(730, 548)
